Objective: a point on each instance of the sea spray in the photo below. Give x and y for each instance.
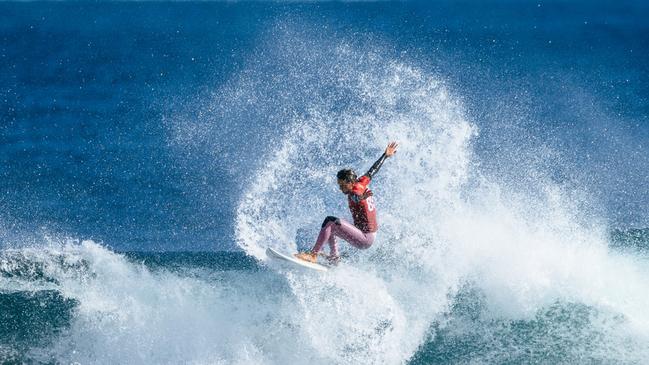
(380, 309)
(443, 224)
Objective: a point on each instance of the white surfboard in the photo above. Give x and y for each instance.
(293, 260)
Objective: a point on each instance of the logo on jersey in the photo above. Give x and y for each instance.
(370, 203)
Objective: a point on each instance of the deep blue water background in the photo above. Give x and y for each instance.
(85, 89)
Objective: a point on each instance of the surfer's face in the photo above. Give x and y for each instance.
(345, 186)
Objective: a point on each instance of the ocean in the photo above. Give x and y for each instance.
(151, 151)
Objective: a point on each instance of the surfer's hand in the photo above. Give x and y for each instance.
(391, 149)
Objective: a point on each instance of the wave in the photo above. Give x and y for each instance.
(464, 270)
(85, 301)
(164, 315)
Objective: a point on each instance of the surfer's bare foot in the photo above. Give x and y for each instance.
(307, 256)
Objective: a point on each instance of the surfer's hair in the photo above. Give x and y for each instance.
(347, 175)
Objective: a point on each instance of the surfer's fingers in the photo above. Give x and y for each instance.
(392, 148)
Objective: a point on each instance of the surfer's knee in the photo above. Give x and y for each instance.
(330, 219)
(364, 246)
(367, 242)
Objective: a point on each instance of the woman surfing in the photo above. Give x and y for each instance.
(361, 204)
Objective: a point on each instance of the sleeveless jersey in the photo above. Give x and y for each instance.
(361, 204)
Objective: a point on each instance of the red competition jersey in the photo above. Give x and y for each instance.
(361, 204)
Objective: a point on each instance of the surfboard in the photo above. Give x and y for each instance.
(293, 260)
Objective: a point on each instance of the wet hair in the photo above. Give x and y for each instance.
(347, 175)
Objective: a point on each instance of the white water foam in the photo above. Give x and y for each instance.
(443, 224)
(128, 314)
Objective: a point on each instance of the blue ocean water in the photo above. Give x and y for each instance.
(150, 151)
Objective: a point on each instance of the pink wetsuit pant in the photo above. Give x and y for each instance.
(345, 230)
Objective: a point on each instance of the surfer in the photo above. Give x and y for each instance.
(361, 204)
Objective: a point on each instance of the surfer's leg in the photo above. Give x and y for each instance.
(353, 235)
(326, 235)
(333, 227)
(333, 246)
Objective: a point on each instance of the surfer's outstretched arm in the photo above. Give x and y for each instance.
(389, 152)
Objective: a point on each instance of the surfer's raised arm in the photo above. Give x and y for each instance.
(389, 152)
